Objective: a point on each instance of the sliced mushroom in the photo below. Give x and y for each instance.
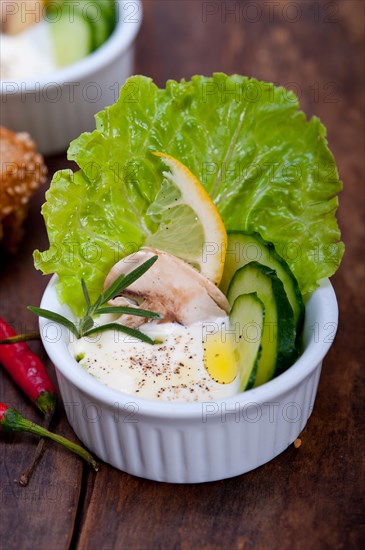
(170, 287)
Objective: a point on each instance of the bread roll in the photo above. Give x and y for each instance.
(18, 15)
(22, 171)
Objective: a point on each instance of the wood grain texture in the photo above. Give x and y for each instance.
(47, 508)
(309, 497)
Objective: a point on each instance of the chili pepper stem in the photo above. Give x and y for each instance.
(27, 474)
(13, 420)
(21, 338)
(38, 430)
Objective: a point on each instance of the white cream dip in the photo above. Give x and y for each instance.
(171, 371)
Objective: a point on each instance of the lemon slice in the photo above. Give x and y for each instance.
(189, 224)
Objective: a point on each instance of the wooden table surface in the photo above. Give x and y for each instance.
(307, 498)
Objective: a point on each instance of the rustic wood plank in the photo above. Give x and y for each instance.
(307, 497)
(44, 511)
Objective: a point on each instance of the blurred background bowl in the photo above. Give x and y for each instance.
(59, 106)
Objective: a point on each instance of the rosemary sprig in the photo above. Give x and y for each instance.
(86, 325)
(129, 311)
(52, 316)
(121, 328)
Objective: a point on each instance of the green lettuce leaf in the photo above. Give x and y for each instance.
(266, 167)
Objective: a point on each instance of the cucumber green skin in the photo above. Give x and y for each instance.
(287, 334)
(100, 31)
(103, 26)
(109, 13)
(238, 313)
(252, 379)
(268, 257)
(279, 351)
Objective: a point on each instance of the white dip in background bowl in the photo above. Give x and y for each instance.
(192, 442)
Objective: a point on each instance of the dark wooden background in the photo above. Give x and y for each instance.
(307, 498)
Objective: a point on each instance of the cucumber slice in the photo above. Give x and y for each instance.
(72, 39)
(99, 15)
(96, 13)
(247, 320)
(278, 337)
(109, 13)
(100, 33)
(243, 248)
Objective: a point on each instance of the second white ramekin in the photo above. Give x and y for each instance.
(57, 108)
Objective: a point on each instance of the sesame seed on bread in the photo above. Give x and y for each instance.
(22, 171)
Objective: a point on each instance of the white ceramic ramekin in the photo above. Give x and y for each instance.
(193, 442)
(56, 108)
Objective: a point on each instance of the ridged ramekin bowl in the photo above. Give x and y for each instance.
(193, 442)
(58, 107)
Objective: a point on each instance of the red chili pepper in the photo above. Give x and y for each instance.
(12, 420)
(3, 409)
(27, 370)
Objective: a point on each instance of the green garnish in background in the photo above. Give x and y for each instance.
(266, 167)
